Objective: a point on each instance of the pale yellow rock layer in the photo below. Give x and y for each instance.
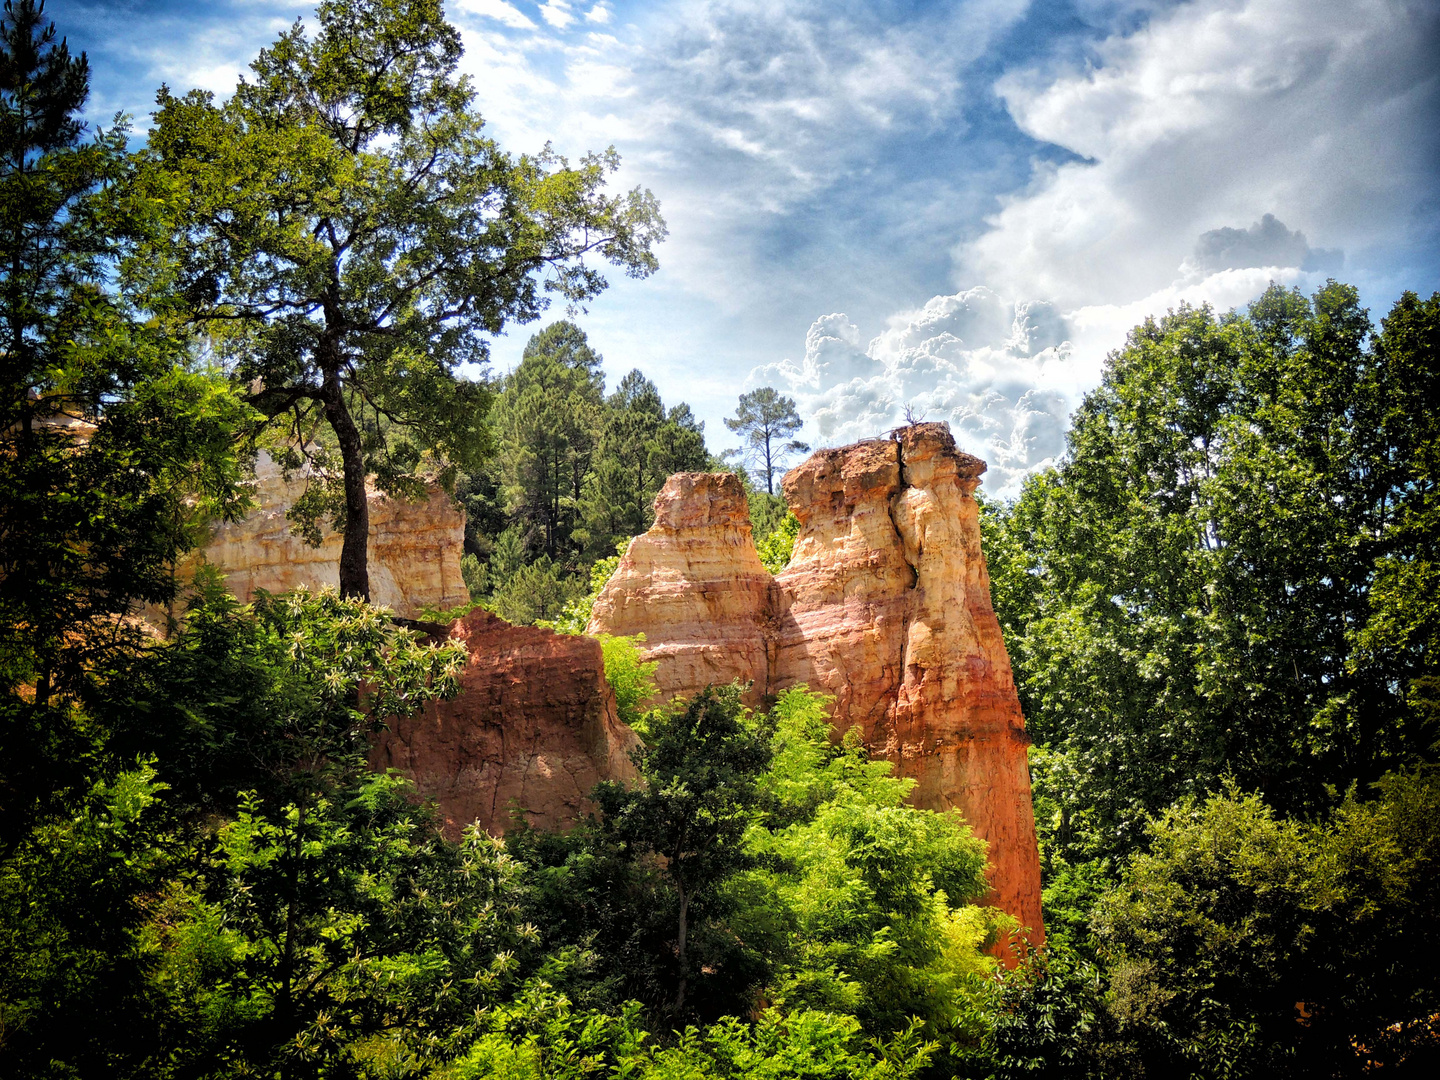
(414, 548)
(696, 567)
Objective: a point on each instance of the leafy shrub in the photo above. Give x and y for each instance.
(1046, 1018)
(629, 677)
(541, 1037)
(776, 549)
(1243, 944)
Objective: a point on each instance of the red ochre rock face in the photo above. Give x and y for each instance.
(533, 730)
(885, 605)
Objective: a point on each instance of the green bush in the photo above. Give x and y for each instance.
(776, 548)
(1242, 944)
(541, 1037)
(631, 678)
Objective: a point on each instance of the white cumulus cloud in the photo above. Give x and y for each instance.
(1320, 112)
(1000, 372)
(557, 13)
(1200, 138)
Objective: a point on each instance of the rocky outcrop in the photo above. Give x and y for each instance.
(885, 605)
(533, 730)
(694, 586)
(414, 549)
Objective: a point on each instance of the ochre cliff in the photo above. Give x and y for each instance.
(415, 548)
(533, 729)
(885, 605)
(696, 567)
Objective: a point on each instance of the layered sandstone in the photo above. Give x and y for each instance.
(885, 605)
(696, 567)
(414, 548)
(533, 730)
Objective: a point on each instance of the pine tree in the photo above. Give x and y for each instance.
(44, 172)
(766, 420)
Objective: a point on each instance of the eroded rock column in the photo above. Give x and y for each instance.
(885, 605)
(845, 600)
(694, 586)
(957, 719)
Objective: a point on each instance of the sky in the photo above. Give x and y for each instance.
(953, 208)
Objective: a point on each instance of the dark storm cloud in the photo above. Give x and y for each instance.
(1266, 243)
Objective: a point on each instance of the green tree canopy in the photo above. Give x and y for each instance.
(114, 448)
(548, 419)
(344, 224)
(700, 769)
(1203, 585)
(641, 444)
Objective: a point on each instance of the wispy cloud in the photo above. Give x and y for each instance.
(1043, 173)
(500, 11)
(557, 13)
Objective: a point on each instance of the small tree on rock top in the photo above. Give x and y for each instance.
(766, 419)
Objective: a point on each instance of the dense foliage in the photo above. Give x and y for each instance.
(1221, 607)
(1218, 611)
(1210, 584)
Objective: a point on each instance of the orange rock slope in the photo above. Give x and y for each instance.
(885, 605)
(533, 729)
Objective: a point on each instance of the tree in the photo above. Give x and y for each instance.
(548, 419)
(45, 172)
(1402, 630)
(347, 231)
(641, 444)
(766, 420)
(690, 814)
(1187, 594)
(114, 448)
(1244, 944)
(252, 898)
(874, 896)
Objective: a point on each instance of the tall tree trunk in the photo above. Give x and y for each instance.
(354, 567)
(680, 948)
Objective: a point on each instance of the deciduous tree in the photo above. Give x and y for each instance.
(700, 771)
(1195, 589)
(344, 214)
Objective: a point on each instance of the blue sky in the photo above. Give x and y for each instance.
(959, 207)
